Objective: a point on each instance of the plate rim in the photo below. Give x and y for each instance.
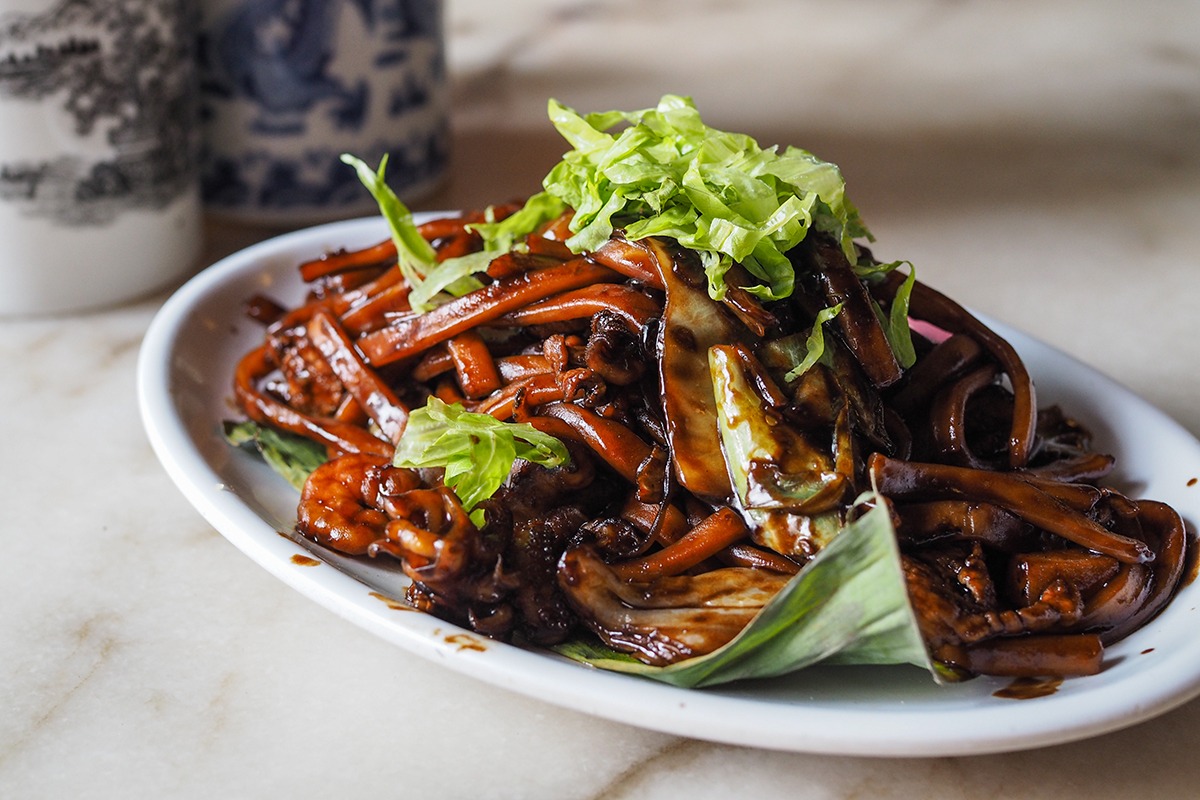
(713, 714)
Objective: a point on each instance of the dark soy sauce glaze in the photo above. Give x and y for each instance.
(1028, 688)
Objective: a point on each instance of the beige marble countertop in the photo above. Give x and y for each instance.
(1038, 161)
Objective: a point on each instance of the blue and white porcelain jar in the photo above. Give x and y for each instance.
(288, 86)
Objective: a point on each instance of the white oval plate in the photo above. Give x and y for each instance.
(184, 378)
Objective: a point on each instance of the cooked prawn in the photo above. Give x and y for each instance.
(344, 504)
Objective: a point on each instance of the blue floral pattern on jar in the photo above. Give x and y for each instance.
(287, 86)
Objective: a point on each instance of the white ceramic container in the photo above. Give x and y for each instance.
(99, 193)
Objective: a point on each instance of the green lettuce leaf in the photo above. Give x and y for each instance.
(477, 451)
(899, 334)
(814, 345)
(414, 255)
(453, 276)
(666, 173)
(849, 605)
(895, 322)
(292, 456)
(502, 235)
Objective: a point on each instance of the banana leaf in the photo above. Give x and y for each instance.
(849, 605)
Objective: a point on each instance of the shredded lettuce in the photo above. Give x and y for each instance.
(477, 450)
(895, 323)
(660, 172)
(666, 173)
(795, 353)
(814, 345)
(849, 605)
(502, 235)
(899, 334)
(453, 276)
(414, 255)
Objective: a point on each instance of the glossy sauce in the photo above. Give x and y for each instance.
(395, 605)
(1029, 688)
(465, 641)
(1191, 566)
(305, 561)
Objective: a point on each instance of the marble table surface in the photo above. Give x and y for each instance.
(1038, 161)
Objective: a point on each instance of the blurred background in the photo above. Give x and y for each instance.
(1038, 161)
